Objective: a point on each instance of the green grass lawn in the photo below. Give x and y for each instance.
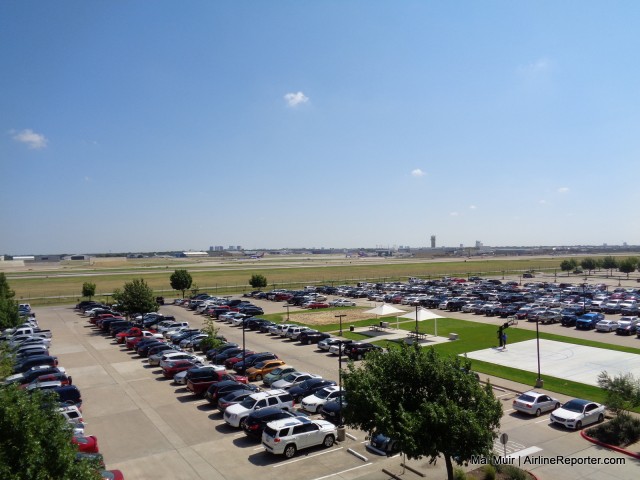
(478, 336)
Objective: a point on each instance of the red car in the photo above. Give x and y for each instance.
(230, 362)
(314, 305)
(176, 366)
(111, 475)
(86, 444)
(63, 378)
(132, 332)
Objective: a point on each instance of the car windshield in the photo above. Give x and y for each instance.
(259, 365)
(573, 406)
(526, 398)
(248, 403)
(323, 393)
(290, 377)
(276, 371)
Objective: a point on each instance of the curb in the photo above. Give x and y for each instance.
(606, 445)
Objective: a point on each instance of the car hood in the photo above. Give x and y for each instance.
(567, 414)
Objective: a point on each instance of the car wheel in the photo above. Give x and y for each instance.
(359, 356)
(538, 412)
(328, 441)
(578, 425)
(289, 451)
(306, 342)
(600, 418)
(242, 423)
(258, 377)
(556, 406)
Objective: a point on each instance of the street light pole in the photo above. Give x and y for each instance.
(340, 317)
(244, 350)
(539, 381)
(340, 380)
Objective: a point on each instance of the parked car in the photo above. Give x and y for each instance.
(171, 367)
(262, 368)
(327, 343)
(606, 325)
(258, 420)
(86, 444)
(293, 378)
(627, 325)
(535, 403)
(236, 415)
(317, 399)
(220, 389)
(312, 336)
(287, 436)
(308, 387)
(332, 411)
(358, 350)
(251, 360)
(276, 374)
(578, 413)
(588, 320)
(382, 444)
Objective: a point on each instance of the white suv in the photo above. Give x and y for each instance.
(236, 415)
(287, 436)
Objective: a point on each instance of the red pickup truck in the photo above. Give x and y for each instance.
(200, 383)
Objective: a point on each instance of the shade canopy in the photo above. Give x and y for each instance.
(384, 309)
(421, 314)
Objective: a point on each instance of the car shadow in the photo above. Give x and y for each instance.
(188, 398)
(245, 442)
(224, 427)
(206, 407)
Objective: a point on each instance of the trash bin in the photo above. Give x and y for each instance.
(352, 328)
(341, 433)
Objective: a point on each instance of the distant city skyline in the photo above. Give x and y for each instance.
(130, 126)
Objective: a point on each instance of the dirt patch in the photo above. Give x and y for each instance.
(327, 318)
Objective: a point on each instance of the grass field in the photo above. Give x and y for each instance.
(64, 284)
(478, 336)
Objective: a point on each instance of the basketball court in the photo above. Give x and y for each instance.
(562, 360)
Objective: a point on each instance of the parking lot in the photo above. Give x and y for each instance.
(150, 428)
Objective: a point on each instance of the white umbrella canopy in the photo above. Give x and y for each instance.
(383, 310)
(421, 314)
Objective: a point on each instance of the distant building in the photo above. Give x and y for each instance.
(433, 241)
(479, 244)
(195, 254)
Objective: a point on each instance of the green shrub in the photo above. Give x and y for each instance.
(489, 472)
(514, 473)
(623, 430)
(458, 474)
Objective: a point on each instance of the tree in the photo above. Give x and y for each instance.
(5, 291)
(609, 263)
(212, 340)
(588, 264)
(568, 265)
(36, 440)
(627, 266)
(258, 281)
(430, 404)
(181, 280)
(9, 314)
(88, 289)
(622, 392)
(136, 296)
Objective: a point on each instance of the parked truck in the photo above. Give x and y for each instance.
(588, 320)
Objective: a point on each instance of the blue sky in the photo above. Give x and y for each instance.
(150, 126)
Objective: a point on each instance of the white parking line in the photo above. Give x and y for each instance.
(543, 420)
(503, 395)
(510, 410)
(306, 457)
(343, 471)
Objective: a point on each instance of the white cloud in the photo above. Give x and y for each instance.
(542, 202)
(454, 214)
(563, 189)
(295, 99)
(31, 139)
(538, 66)
(417, 173)
(472, 207)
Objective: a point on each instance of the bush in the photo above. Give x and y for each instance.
(514, 473)
(623, 430)
(458, 474)
(489, 472)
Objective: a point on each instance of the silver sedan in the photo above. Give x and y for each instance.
(535, 403)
